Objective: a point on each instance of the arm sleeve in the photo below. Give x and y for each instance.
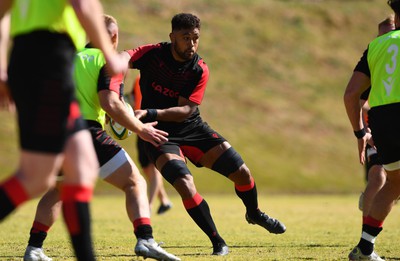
(114, 83)
(197, 93)
(362, 65)
(136, 54)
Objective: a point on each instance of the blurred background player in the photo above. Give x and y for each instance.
(99, 94)
(155, 180)
(52, 134)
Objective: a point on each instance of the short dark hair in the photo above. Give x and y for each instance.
(185, 21)
(395, 5)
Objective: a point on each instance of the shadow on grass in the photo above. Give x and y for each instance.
(195, 251)
(291, 246)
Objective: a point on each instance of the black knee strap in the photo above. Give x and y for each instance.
(228, 162)
(174, 169)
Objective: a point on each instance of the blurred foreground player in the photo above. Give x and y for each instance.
(52, 135)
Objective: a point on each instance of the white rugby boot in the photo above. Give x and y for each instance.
(149, 248)
(35, 254)
(356, 254)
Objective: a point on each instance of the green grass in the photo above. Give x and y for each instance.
(319, 227)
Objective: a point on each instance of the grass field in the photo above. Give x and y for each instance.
(319, 227)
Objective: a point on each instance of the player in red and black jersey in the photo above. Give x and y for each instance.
(173, 81)
(165, 81)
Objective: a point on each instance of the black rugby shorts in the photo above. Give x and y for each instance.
(385, 128)
(191, 145)
(41, 84)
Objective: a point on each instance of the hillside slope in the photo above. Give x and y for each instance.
(278, 72)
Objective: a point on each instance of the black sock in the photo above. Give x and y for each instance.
(202, 216)
(37, 238)
(250, 200)
(144, 231)
(6, 205)
(365, 246)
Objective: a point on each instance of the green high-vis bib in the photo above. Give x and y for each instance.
(384, 64)
(52, 15)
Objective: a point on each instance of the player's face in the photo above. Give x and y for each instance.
(184, 43)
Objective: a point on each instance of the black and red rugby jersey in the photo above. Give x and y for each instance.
(163, 80)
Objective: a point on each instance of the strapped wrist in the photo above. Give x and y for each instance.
(360, 134)
(151, 115)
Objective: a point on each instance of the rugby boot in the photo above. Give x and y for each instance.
(356, 254)
(220, 249)
(149, 248)
(164, 208)
(35, 254)
(271, 224)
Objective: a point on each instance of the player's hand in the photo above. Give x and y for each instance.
(371, 142)
(6, 101)
(140, 114)
(154, 136)
(362, 143)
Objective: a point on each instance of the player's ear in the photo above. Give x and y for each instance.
(114, 39)
(172, 37)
